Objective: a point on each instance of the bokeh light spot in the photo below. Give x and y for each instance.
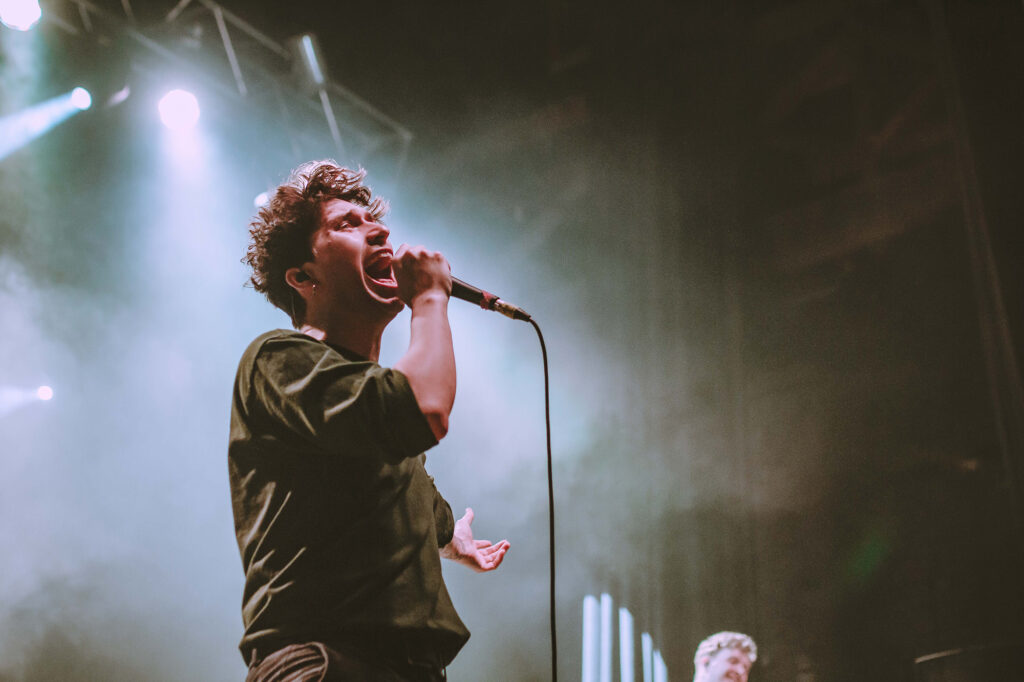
(20, 15)
(179, 110)
(44, 393)
(81, 98)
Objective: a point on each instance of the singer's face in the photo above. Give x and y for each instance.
(728, 665)
(352, 262)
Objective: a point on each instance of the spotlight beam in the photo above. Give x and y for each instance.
(13, 397)
(20, 128)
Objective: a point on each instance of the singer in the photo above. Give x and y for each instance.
(339, 527)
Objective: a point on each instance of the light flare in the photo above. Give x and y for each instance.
(81, 98)
(21, 15)
(179, 110)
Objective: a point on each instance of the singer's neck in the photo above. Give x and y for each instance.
(362, 340)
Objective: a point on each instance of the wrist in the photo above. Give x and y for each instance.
(431, 297)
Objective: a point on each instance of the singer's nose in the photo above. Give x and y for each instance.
(378, 233)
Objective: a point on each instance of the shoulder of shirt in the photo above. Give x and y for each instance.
(284, 335)
(279, 338)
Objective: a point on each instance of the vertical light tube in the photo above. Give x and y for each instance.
(309, 51)
(606, 637)
(647, 651)
(660, 669)
(626, 666)
(591, 638)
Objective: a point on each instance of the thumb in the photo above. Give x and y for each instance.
(468, 516)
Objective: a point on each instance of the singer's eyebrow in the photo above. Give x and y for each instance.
(350, 216)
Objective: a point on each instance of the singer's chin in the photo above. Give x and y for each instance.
(392, 302)
(394, 305)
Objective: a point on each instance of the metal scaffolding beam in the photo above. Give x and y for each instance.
(242, 62)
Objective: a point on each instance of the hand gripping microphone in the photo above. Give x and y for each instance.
(487, 300)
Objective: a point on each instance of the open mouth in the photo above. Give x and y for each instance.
(380, 273)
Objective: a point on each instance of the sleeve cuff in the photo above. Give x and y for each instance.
(444, 520)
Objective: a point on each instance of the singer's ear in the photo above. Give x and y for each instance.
(298, 279)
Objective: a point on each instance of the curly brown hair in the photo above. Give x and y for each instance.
(281, 233)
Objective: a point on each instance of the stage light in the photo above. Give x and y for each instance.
(21, 127)
(13, 397)
(311, 58)
(605, 669)
(20, 15)
(81, 98)
(309, 67)
(591, 638)
(179, 110)
(626, 665)
(647, 655)
(597, 638)
(660, 669)
(120, 96)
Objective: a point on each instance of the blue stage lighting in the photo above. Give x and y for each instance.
(21, 127)
(312, 60)
(179, 110)
(13, 398)
(20, 14)
(81, 98)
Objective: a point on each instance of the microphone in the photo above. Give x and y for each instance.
(487, 300)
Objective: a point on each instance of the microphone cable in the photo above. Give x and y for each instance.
(488, 301)
(551, 503)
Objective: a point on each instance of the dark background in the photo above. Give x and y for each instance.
(774, 247)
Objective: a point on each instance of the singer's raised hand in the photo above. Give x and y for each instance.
(420, 271)
(480, 555)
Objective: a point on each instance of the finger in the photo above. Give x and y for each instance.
(492, 554)
(468, 516)
(500, 546)
(482, 543)
(496, 559)
(484, 564)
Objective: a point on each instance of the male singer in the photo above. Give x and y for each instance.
(724, 657)
(339, 526)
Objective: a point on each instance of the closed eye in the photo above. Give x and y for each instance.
(349, 220)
